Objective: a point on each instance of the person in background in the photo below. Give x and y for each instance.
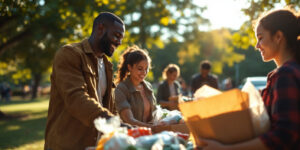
(5, 92)
(169, 90)
(81, 86)
(204, 77)
(134, 97)
(8, 93)
(277, 34)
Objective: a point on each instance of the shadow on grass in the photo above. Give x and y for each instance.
(20, 115)
(17, 132)
(4, 116)
(17, 102)
(22, 101)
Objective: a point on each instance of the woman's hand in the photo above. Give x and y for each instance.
(212, 145)
(127, 116)
(163, 123)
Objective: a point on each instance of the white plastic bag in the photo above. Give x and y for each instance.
(114, 136)
(259, 117)
(119, 141)
(166, 117)
(159, 140)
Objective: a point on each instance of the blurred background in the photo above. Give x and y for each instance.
(183, 32)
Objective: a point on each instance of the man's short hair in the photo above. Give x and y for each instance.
(205, 65)
(106, 18)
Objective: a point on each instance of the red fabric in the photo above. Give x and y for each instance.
(282, 100)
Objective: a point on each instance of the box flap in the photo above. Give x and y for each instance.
(233, 100)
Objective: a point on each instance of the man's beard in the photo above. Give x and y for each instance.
(104, 45)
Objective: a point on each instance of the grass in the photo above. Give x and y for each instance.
(26, 130)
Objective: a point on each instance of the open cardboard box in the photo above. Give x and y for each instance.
(174, 127)
(226, 117)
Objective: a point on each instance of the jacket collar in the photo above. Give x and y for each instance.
(107, 62)
(88, 49)
(132, 88)
(166, 84)
(87, 46)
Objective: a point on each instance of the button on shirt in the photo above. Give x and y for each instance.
(102, 79)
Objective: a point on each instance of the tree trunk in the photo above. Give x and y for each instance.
(142, 26)
(36, 82)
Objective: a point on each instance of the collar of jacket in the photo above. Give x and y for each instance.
(132, 88)
(166, 84)
(88, 50)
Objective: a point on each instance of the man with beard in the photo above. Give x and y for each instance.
(81, 86)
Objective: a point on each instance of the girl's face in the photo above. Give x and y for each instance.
(172, 76)
(266, 44)
(138, 71)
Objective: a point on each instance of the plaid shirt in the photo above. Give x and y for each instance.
(282, 100)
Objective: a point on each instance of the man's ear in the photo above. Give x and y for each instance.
(100, 28)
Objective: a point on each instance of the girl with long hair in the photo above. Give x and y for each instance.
(134, 96)
(278, 40)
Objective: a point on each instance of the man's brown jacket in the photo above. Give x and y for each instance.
(74, 102)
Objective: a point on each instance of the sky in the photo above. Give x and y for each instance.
(224, 13)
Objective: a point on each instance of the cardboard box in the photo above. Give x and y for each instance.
(226, 117)
(175, 128)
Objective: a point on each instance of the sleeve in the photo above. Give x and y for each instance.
(121, 99)
(160, 93)
(72, 87)
(285, 114)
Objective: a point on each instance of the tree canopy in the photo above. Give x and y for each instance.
(33, 30)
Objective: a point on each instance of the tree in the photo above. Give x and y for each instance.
(245, 36)
(214, 45)
(31, 31)
(149, 24)
(166, 18)
(244, 39)
(252, 65)
(162, 57)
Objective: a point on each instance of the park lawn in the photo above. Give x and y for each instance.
(26, 131)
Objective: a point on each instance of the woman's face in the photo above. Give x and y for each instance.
(138, 71)
(265, 44)
(172, 76)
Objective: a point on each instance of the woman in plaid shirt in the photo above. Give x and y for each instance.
(278, 39)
